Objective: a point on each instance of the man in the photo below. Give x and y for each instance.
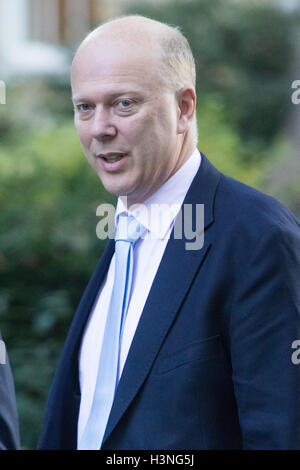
(204, 337)
(9, 427)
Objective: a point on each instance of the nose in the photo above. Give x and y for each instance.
(102, 125)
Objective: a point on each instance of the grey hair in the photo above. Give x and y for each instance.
(178, 58)
(179, 64)
(177, 55)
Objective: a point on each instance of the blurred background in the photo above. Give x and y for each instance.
(247, 54)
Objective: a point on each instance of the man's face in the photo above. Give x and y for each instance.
(126, 118)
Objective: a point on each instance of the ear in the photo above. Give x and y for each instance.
(186, 104)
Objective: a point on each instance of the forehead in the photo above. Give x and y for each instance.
(107, 64)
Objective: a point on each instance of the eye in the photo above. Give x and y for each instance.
(84, 107)
(125, 103)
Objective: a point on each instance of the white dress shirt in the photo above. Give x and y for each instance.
(157, 214)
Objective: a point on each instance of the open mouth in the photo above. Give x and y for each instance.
(112, 161)
(111, 157)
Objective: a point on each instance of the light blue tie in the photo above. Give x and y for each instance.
(128, 232)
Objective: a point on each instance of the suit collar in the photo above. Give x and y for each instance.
(203, 189)
(85, 307)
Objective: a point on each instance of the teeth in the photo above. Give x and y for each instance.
(113, 159)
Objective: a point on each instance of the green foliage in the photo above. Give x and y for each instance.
(49, 248)
(34, 103)
(223, 145)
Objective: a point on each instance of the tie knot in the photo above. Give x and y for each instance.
(129, 229)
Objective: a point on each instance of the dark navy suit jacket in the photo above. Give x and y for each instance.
(210, 365)
(9, 426)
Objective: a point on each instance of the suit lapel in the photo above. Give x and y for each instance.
(170, 283)
(74, 338)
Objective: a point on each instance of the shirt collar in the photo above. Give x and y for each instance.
(158, 212)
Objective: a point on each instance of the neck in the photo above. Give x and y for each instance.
(187, 148)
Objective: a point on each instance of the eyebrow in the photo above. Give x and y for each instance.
(76, 98)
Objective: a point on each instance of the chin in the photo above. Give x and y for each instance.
(115, 190)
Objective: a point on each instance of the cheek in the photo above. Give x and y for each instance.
(133, 129)
(147, 137)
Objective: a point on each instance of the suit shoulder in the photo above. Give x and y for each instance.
(244, 206)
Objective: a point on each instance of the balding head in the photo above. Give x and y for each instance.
(171, 48)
